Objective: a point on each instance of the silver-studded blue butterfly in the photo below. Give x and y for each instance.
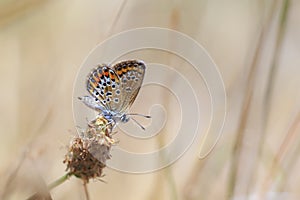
(114, 89)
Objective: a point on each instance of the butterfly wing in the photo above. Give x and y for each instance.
(114, 89)
(102, 84)
(131, 74)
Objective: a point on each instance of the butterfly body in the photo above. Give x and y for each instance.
(113, 89)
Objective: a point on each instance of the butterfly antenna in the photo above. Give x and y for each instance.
(141, 115)
(138, 124)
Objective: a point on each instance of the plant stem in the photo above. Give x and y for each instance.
(43, 194)
(58, 181)
(246, 105)
(87, 196)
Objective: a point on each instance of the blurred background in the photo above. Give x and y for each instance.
(256, 46)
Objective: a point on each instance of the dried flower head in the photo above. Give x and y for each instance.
(87, 154)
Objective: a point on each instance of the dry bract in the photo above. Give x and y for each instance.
(88, 153)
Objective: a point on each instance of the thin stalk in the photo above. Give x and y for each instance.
(59, 181)
(52, 185)
(274, 65)
(117, 17)
(276, 163)
(269, 91)
(292, 161)
(86, 192)
(247, 103)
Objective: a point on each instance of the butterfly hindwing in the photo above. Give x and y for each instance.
(131, 74)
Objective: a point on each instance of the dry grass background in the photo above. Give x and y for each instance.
(256, 48)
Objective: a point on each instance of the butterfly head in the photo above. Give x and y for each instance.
(124, 118)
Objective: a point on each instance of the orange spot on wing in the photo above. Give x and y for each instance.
(111, 76)
(124, 70)
(130, 67)
(119, 72)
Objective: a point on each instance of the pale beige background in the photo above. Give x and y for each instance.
(43, 43)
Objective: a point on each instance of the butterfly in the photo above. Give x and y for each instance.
(113, 89)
